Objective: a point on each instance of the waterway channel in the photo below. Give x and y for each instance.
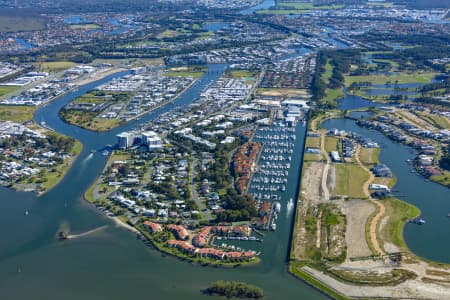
(430, 240)
(111, 263)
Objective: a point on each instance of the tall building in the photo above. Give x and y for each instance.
(147, 138)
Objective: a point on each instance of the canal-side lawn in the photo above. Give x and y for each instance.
(401, 77)
(369, 156)
(398, 212)
(6, 89)
(17, 114)
(55, 66)
(195, 72)
(436, 120)
(350, 179)
(88, 120)
(50, 179)
(332, 144)
(443, 179)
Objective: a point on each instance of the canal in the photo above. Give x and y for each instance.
(430, 240)
(111, 263)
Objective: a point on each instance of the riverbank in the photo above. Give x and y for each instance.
(47, 158)
(98, 75)
(90, 120)
(398, 273)
(63, 169)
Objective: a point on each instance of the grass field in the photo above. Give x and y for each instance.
(390, 182)
(387, 61)
(443, 179)
(52, 178)
(16, 113)
(312, 142)
(6, 89)
(85, 26)
(241, 74)
(439, 121)
(399, 212)
(350, 179)
(168, 33)
(331, 143)
(331, 96)
(328, 72)
(55, 66)
(382, 79)
(88, 120)
(369, 156)
(14, 23)
(196, 72)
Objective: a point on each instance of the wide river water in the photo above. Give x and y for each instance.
(110, 263)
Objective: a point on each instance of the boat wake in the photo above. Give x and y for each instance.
(90, 156)
(83, 234)
(290, 206)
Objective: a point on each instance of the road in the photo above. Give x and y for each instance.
(381, 208)
(194, 193)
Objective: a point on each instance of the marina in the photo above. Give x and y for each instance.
(94, 258)
(269, 182)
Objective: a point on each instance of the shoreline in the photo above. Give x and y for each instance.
(161, 248)
(137, 116)
(73, 159)
(327, 283)
(42, 193)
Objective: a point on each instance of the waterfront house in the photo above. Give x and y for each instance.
(152, 227)
(182, 245)
(381, 170)
(179, 231)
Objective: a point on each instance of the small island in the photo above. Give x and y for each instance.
(234, 289)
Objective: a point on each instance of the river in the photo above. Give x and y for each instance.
(110, 263)
(429, 241)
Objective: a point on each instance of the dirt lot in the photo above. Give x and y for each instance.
(311, 181)
(416, 120)
(410, 289)
(283, 92)
(357, 213)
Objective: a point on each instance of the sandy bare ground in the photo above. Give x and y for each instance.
(278, 92)
(324, 186)
(310, 197)
(331, 180)
(357, 212)
(419, 122)
(98, 75)
(381, 208)
(119, 223)
(410, 289)
(311, 182)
